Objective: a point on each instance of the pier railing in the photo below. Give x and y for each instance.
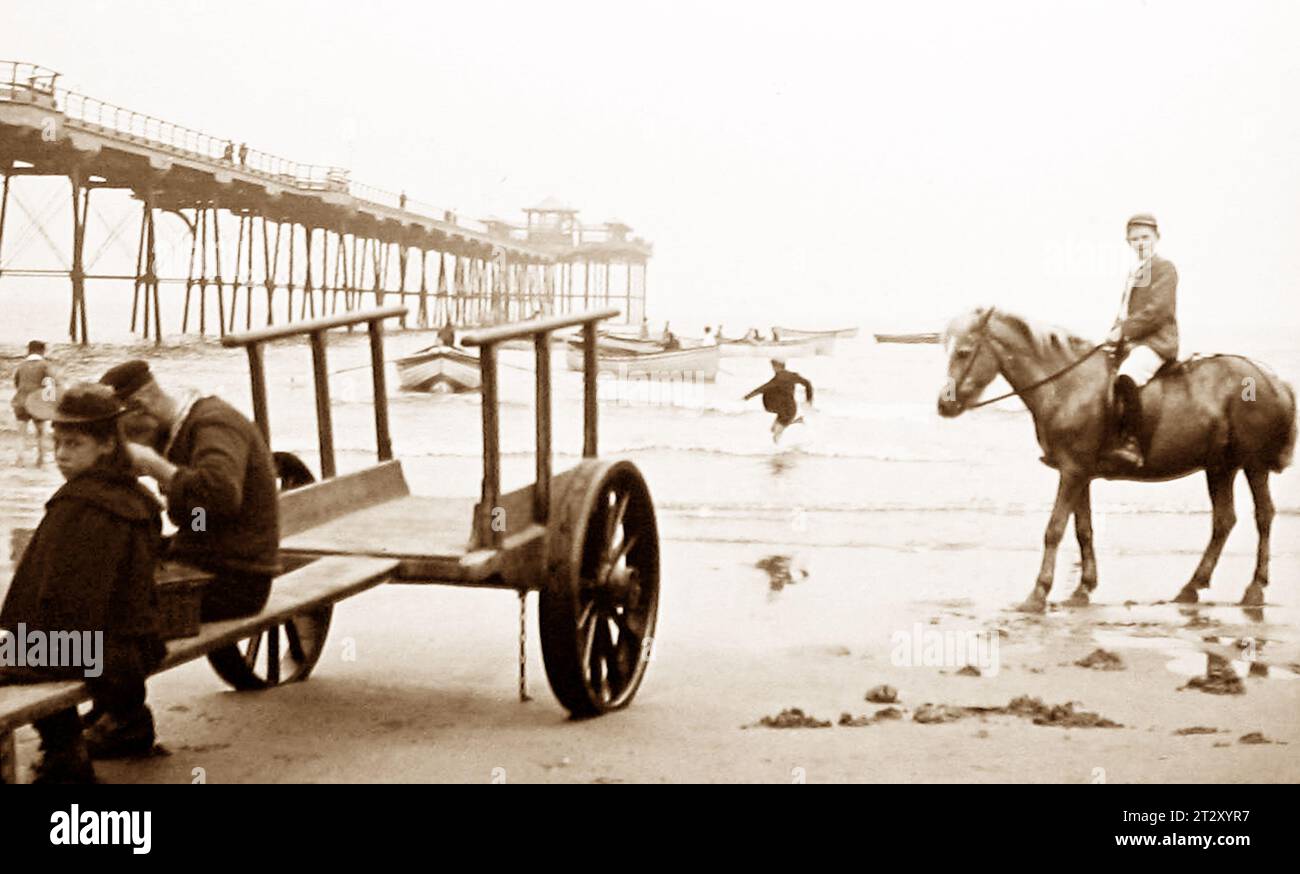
(22, 82)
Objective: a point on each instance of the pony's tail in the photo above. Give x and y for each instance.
(1286, 451)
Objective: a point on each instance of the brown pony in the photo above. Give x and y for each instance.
(1220, 414)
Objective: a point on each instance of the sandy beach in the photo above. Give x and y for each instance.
(767, 606)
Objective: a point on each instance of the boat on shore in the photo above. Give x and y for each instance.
(931, 337)
(699, 364)
(768, 348)
(657, 342)
(557, 339)
(616, 343)
(439, 368)
(823, 341)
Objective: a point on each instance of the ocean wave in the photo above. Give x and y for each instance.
(684, 447)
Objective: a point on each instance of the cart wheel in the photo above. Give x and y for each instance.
(599, 606)
(290, 472)
(284, 653)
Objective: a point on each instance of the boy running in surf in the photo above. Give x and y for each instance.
(778, 397)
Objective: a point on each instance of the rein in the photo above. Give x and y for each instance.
(1014, 391)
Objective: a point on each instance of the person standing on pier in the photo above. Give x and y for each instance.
(218, 477)
(778, 397)
(34, 374)
(243, 154)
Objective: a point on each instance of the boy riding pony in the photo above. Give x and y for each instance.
(1143, 338)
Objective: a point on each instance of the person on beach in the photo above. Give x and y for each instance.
(709, 339)
(33, 375)
(218, 478)
(671, 343)
(89, 568)
(778, 397)
(1143, 338)
(447, 335)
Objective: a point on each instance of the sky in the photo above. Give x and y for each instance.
(812, 164)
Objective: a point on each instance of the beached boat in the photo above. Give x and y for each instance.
(616, 343)
(607, 343)
(823, 341)
(439, 368)
(527, 345)
(657, 341)
(907, 338)
(769, 348)
(692, 365)
(796, 334)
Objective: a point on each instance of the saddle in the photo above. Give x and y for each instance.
(1151, 399)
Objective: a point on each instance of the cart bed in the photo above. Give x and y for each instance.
(372, 512)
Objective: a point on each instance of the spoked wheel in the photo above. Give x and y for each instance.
(284, 653)
(599, 606)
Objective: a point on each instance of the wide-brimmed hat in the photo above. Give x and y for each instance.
(127, 378)
(80, 404)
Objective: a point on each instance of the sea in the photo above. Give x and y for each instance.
(873, 466)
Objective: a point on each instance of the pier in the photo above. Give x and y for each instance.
(298, 240)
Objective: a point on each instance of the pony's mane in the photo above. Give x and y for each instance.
(1045, 338)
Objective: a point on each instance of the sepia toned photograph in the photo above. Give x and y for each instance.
(635, 393)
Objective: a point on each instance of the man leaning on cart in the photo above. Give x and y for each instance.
(218, 477)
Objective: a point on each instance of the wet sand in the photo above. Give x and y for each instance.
(751, 625)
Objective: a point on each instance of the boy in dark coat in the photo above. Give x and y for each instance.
(778, 397)
(90, 568)
(217, 474)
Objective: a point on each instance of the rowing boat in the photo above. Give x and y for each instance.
(769, 348)
(824, 341)
(439, 368)
(692, 365)
(907, 338)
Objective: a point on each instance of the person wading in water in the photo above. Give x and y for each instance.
(778, 397)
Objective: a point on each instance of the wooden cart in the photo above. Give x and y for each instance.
(585, 538)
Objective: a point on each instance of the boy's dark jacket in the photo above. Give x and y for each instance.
(226, 470)
(90, 565)
(1151, 319)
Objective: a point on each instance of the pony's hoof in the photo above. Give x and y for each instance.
(1187, 594)
(1079, 598)
(1254, 596)
(1035, 603)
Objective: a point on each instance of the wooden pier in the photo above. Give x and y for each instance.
(305, 239)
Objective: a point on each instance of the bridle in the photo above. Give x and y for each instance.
(982, 335)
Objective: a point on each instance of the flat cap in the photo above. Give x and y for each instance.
(1143, 218)
(83, 402)
(127, 378)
